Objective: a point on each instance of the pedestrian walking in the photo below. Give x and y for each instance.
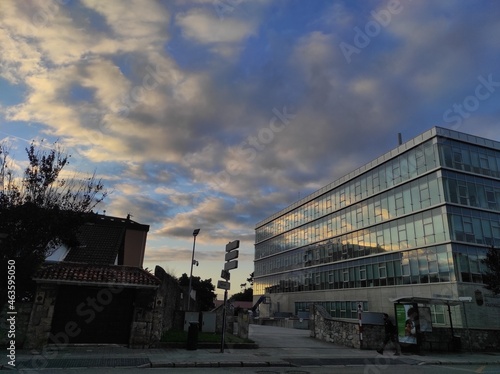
(391, 333)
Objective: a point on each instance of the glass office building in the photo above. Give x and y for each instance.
(416, 221)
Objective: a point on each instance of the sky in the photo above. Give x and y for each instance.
(215, 114)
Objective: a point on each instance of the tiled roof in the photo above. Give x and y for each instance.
(92, 274)
(99, 244)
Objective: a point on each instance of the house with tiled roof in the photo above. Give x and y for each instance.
(97, 291)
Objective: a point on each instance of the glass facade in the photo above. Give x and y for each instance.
(425, 212)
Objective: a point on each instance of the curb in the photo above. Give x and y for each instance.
(208, 345)
(221, 364)
(459, 363)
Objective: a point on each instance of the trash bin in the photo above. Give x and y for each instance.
(192, 339)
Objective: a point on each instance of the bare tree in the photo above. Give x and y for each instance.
(40, 210)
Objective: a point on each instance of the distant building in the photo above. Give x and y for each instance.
(411, 226)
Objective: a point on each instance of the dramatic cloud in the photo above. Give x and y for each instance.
(197, 115)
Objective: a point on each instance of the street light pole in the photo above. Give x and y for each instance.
(195, 232)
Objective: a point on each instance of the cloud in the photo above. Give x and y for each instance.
(197, 116)
(222, 36)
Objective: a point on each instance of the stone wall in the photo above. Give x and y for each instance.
(332, 330)
(169, 294)
(230, 319)
(346, 332)
(289, 323)
(23, 310)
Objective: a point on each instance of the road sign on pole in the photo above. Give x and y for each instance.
(223, 285)
(232, 245)
(224, 274)
(231, 265)
(231, 255)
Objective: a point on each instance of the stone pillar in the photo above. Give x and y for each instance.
(40, 324)
(147, 321)
(243, 322)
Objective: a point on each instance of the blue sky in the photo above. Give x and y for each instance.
(215, 114)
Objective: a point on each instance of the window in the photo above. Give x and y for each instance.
(438, 314)
(342, 198)
(382, 270)
(399, 203)
(490, 198)
(463, 193)
(362, 273)
(457, 158)
(329, 202)
(483, 161)
(357, 190)
(359, 217)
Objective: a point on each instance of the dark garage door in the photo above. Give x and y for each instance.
(92, 315)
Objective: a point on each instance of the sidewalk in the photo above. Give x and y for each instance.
(117, 356)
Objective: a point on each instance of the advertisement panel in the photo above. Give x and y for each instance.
(406, 320)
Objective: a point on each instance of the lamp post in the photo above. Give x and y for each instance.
(195, 232)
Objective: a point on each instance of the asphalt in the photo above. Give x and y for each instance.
(277, 347)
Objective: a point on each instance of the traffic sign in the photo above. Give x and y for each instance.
(232, 245)
(223, 285)
(231, 265)
(225, 274)
(231, 255)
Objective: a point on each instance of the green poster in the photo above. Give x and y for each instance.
(405, 321)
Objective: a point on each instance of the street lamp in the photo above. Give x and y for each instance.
(195, 232)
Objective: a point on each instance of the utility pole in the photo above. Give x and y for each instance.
(195, 233)
(231, 254)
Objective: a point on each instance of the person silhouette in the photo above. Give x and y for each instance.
(391, 334)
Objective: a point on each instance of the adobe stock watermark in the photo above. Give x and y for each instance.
(461, 111)
(372, 29)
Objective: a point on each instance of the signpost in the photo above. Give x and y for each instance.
(223, 285)
(231, 254)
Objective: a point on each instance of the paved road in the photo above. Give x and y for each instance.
(280, 351)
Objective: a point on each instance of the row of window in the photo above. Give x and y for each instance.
(348, 309)
(337, 309)
(409, 232)
(474, 226)
(408, 198)
(417, 161)
(469, 265)
(470, 158)
(471, 190)
(427, 265)
(406, 166)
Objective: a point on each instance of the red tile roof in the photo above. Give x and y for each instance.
(92, 274)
